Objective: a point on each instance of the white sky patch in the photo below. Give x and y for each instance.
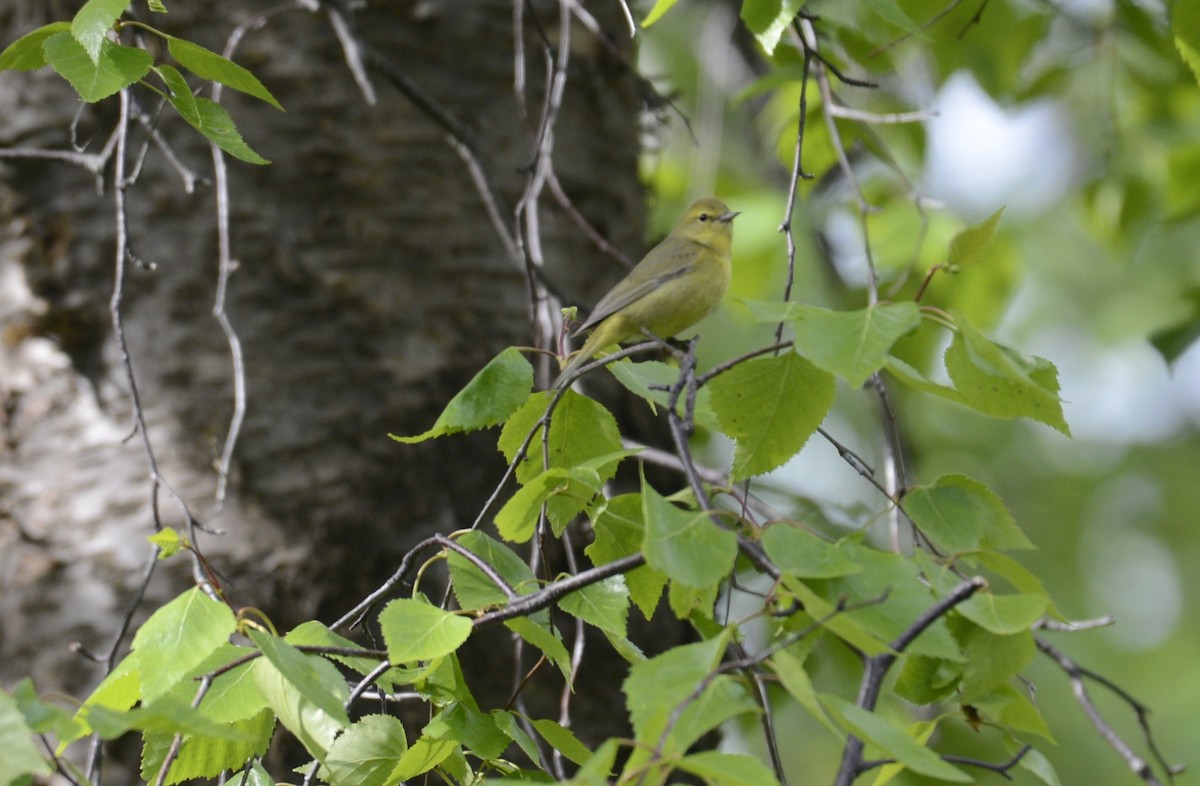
(981, 155)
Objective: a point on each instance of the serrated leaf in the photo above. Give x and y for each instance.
(660, 8)
(892, 741)
(924, 680)
(217, 126)
(168, 541)
(206, 757)
(768, 19)
(581, 430)
(844, 626)
(1185, 26)
(685, 545)
(26, 53)
(770, 406)
(992, 659)
(961, 514)
(918, 381)
(1011, 708)
(472, 588)
(464, 724)
(212, 66)
(998, 380)
(21, 757)
(177, 638)
(971, 244)
(422, 756)
(796, 681)
(517, 520)
(658, 685)
(491, 396)
(115, 67)
(366, 753)
(416, 631)
(619, 533)
(805, 555)
(92, 23)
(604, 604)
(852, 344)
(650, 380)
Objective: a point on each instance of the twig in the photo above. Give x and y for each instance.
(797, 174)
(548, 595)
(1077, 674)
(875, 668)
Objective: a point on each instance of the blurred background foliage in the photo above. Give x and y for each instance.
(1082, 120)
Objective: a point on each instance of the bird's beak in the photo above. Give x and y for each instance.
(728, 216)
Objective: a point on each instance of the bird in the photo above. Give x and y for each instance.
(676, 285)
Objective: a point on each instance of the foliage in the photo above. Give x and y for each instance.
(950, 621)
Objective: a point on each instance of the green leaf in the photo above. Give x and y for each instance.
(852, 344)
(1035, 761)
(620, 533)
(315, 634)
(924, 680)
(581, 430)
(1004, 614)
(961, 514)
(217, 126)
(844, 626)
(992, 660)
(26, 54)
(425, 754)
(41, 717)
(305, 692)
(918, 381)
(115, 68)
(168, 541)
(366, 753)
(789, 667)
(685, 545)
(768, 19)
(771, 406)
(156, 6)
(517, 520)
(562, 740)
(805, 555)
(545, 639)
(463, 723)
(177, 638)
(728, 769)
(970, 245)
(21, 758)
(998, 380)
(663, 682)
(494, 394)
(604, 604)
(212, 66)
(416, 631)
(1185, 26)
(892, 12)
(93, 22)
(472, 588)
(650, 379)
(660, 8)
(1011, 707)
(206, 757)
(307, 674)
(892, 741)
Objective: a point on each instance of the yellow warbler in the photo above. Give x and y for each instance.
(674, 286)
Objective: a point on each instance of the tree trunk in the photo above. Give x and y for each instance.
(370, 286)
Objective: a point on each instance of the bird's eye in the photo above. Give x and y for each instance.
(703, 216)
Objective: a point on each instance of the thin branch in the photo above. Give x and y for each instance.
(797, 174)
(875, 668)
(1077, 674)
(551, 593)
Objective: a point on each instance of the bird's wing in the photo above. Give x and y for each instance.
(639, 287)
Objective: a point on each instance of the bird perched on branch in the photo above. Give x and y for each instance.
(674, 286)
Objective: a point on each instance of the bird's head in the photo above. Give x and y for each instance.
(708, 221)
